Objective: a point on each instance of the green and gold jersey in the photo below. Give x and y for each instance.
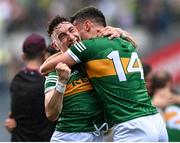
(80, 105)
(117, 75)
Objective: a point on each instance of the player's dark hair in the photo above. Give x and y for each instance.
(91, 13)
(55, 22)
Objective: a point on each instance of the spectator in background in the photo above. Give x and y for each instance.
(27, 120)
(168, 103)
(163, 94)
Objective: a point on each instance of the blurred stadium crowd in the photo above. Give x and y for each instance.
(153, 23)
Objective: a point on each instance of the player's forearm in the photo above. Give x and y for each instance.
(53, 56)
(53, 104)
(50, 64)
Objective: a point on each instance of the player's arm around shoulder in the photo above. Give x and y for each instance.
(85, 50)
(50, 64)
(54, 97)
(114, 32)
(47, 66)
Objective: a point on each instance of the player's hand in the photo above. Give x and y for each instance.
(10, 124)
(63, 72)
(113, 32)
(127, 36)
(109, 31)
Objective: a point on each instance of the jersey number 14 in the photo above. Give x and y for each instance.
(115, 57)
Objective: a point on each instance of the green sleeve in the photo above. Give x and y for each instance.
(82, 51)
(50, 82)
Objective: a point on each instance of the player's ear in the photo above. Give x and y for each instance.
(87, 25)
(55, 46)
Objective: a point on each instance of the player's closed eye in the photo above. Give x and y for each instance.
(62, 36)
(71, 30)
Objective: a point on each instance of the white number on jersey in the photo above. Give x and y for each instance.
(115, 57)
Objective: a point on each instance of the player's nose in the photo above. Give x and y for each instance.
(71, 36)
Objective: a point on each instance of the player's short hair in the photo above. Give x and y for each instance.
(55, 22)
(91, 13)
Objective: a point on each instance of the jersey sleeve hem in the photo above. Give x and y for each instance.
(73, 56)
(49, 88)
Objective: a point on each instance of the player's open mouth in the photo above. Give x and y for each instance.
(77, 40)
(74, 42)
